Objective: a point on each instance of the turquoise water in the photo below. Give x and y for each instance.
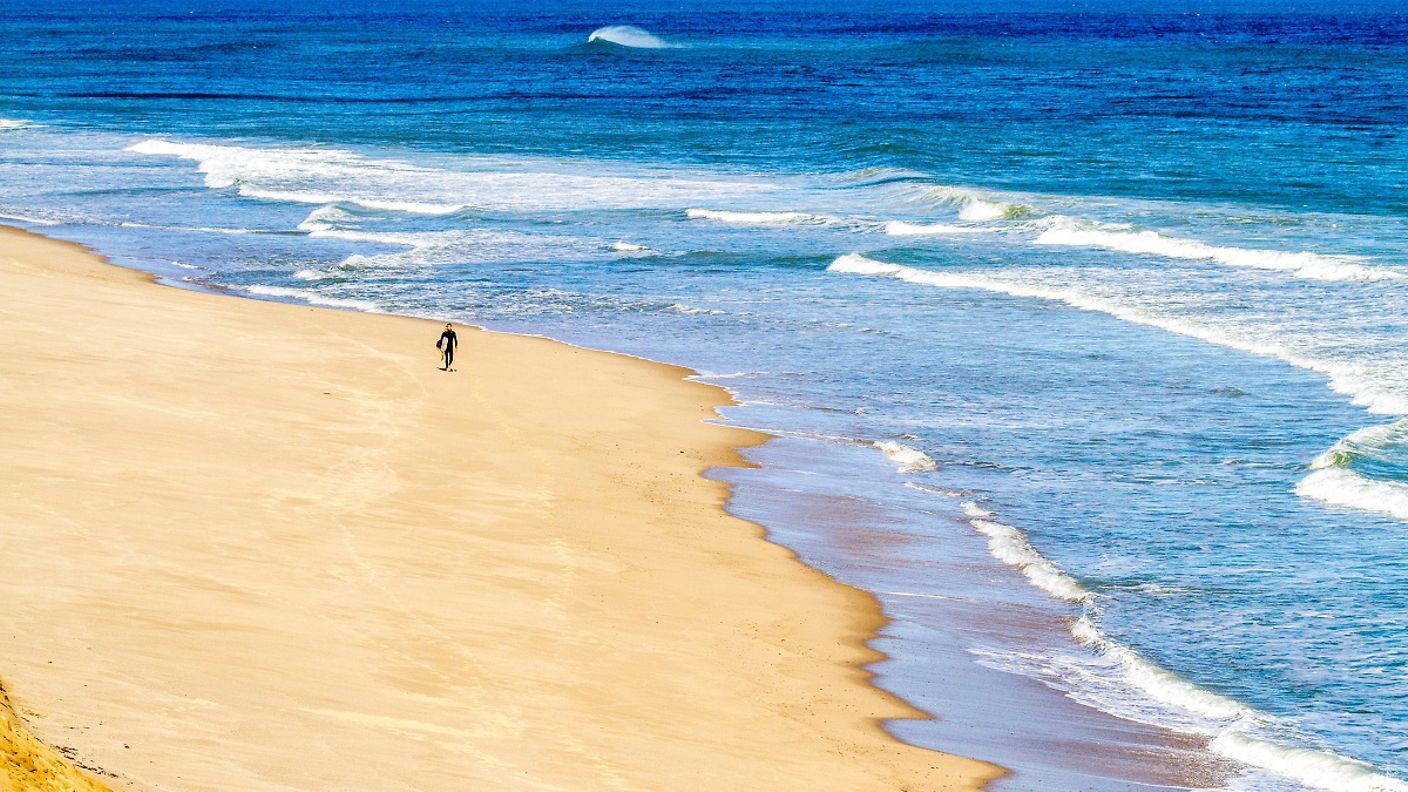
(1095, 316)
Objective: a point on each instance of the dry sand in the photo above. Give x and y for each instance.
(251, 546)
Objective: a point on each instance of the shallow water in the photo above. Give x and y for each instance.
(1089, 320)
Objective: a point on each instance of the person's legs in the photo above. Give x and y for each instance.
(449, 356)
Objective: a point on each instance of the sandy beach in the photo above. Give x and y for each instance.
(261, 546)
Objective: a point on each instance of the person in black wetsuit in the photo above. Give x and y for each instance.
(447, 343)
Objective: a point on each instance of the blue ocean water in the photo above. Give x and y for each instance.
(1084, 325)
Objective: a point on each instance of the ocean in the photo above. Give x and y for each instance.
(1083, 326)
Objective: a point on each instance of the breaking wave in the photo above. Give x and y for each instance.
(1320, 769)
(975, 208)
(906, 458)
(628, 36)
(1010, 546)
(1157, 683)
(1334, 479)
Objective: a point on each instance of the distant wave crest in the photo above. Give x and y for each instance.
(628, 36)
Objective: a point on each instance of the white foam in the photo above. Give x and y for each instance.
(324, 218)
(311, 297)
(425, 248)
(1319, 769)
(932, 490)
(755, 218)
(1010, 546)
(972, 509)
(906, 458)
(629, 247)
(690, 309)
(315, 197)
(14, 123)
(1339, 486)
(1313, 266)
(269, 174)
(31, 220)
(628, 36)
(198, 229)
(978, 210)
(860, 265)
(901, 228)
(456, 184)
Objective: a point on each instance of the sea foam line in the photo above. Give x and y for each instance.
(902, 228)
(1313, 266)
(1060, 230)
(242, 168)
(453, 185)
(1010, 546)
(313, 298)
(1349, 380)
(757, 218)
(19, 218)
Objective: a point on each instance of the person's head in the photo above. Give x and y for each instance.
(449, 326)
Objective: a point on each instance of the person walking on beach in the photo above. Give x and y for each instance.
(447, 343)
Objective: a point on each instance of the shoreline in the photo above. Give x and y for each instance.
(847, 719)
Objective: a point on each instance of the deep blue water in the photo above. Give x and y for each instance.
(1098, 309)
